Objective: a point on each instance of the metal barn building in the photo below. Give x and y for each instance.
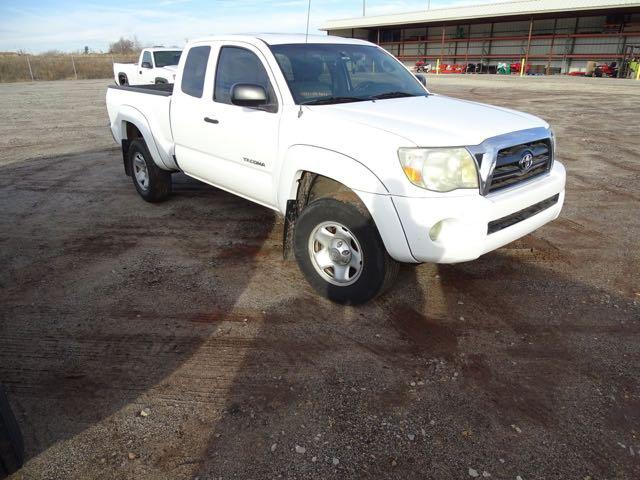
(554, 36)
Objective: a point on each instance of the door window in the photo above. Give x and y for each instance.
(239, 65)
(195, 69)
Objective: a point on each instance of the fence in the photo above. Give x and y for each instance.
(20, 68)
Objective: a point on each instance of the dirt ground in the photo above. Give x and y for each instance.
(172, 341)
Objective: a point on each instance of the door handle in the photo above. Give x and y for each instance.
(211, 120)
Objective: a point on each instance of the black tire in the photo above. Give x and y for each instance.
(123, 80)
(379, 270)
(158, 184)
(11, 443)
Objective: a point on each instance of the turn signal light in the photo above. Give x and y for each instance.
(413, 174)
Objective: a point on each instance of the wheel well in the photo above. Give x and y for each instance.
(323, 187)
(131, 133)
(312, 187)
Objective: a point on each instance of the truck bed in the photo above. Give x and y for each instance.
(163, 89)
(147, 106)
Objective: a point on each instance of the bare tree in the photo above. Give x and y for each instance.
(51, 53)
(125, 45)
(137, 44)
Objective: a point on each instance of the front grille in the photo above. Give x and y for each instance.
(508, 172)
(504, 222)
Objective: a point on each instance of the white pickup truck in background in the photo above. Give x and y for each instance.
(155, 65)
(366, 165)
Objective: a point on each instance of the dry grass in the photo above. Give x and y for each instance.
(15, 68)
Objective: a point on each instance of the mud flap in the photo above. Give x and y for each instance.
(290, 218)
(125, 150)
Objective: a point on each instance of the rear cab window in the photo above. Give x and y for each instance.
(146, 58)
(195, 70)
(165, 58)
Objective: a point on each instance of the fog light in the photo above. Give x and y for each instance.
(435, 231)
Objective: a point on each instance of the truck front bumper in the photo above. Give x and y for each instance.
(451, 229)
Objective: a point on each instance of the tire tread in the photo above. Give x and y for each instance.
(380, 271)
(159, 180)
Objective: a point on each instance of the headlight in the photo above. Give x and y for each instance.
(439, 169)
(554, 145)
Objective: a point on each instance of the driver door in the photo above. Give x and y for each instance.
(146, 72)
(232, 147)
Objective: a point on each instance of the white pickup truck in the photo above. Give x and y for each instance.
(367, 166)
(155, 65)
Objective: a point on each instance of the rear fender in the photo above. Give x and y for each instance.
(127, 113)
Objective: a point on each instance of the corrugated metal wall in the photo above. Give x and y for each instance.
(556, 42)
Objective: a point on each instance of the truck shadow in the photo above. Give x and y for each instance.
(102, 297)
(185, 310)
(444, 372)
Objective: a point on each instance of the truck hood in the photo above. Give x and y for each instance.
(434, 120)
(170, 68)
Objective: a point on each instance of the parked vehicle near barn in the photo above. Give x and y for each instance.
(367, 166)
(155, 65)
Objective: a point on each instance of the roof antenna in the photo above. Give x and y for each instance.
(306, 35)
(306, 40)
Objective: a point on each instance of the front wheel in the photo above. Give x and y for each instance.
(340, 252)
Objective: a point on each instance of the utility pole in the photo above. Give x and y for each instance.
(428, 4)
(30, 70)
(363, 6)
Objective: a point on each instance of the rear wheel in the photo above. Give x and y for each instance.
(11, 443)
(340, 252)
(152, 183)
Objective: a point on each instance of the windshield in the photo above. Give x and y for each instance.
(168, 57)
(337, 73)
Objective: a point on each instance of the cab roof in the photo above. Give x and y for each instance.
(284, 38)
(163, 49)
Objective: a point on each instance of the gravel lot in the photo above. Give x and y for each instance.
(172, 341)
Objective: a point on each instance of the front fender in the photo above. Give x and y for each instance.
(354, 175)
(331, 164)
(127, 113)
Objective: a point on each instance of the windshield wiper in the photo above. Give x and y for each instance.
(330, 100)
(381, 96)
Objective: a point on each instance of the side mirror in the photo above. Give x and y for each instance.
(146, 65)
(248, 95)
(422, 78)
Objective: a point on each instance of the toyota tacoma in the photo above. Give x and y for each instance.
(368, 168)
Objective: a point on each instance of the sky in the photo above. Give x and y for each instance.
(40, 25)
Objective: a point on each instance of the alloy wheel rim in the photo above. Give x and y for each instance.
(140, 171)
(336, 253)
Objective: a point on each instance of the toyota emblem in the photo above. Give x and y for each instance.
(526, 161)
